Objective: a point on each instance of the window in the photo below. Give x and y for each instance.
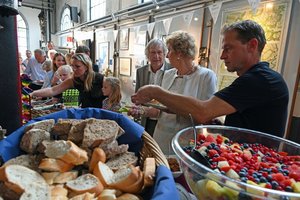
(98, 9)
(22, 35)
(66, 19)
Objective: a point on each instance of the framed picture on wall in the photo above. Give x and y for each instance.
(124, 39)
(103, 55)
(125, 66)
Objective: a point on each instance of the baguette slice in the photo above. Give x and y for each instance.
(122, 160)
(85, 183)
(125, 177)
(66, 151)
(36, 191)
(26, 160)
(103, 173)
(137, 186)
(84, 196)
(58, 177)
(149, 171)
(97, 155)
(44, 125)
(128, 196)
(18, 178)
(55, 165)
(7, 193)
(32, 138)
(58, 190)
(99, 131)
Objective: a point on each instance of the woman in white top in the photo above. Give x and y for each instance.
(185, 78)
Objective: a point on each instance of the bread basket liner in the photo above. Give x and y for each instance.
(139, 142)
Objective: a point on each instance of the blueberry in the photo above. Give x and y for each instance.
(284, 198)
(289, 189)
(244, 179)
(262, 179)
(245, 145)
(242, 174)
(274, 184)
(243, 196)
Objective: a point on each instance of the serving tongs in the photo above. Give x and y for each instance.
(194, 152)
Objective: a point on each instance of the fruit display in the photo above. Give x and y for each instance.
(242, 164)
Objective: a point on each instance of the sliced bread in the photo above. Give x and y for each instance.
(128, 196)
(18, 178)
(125, 177)
(44, 125)
(36, 191)
(26, 160)
(149, 171)
(58, 190)
(97, 155)
(99, 131)
(32, 138)
(85, 183)
(76, 131)
(66, 151)
(103, 173)
(55, 165)
(122, 160)
(58, 177)
(63, 126)
(84, 196)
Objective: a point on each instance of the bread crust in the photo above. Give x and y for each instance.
(132, 176)
(97, 155)
(103, 173)
(97, 189)
(55, 165)
(149, 171)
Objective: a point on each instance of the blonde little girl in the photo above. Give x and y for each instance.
(112, 89)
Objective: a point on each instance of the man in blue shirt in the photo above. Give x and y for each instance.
(34, 69)
(256, 100)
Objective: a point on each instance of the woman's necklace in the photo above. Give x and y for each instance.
(192, 70)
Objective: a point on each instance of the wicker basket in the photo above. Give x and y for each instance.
(151, 149)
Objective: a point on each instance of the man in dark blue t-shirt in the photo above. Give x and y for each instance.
(256, 100)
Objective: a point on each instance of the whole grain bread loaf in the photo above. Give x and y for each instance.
(44, 125)
(32, 138)
(99, 131)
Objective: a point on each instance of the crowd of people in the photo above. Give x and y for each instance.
(256, 100)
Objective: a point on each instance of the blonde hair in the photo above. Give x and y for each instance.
(68, 57)
(89, 74)
(182, 42)
(54, 66)
(116, 90)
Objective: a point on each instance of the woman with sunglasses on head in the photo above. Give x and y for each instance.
(85, 80)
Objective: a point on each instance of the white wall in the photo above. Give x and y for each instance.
(34, 33)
